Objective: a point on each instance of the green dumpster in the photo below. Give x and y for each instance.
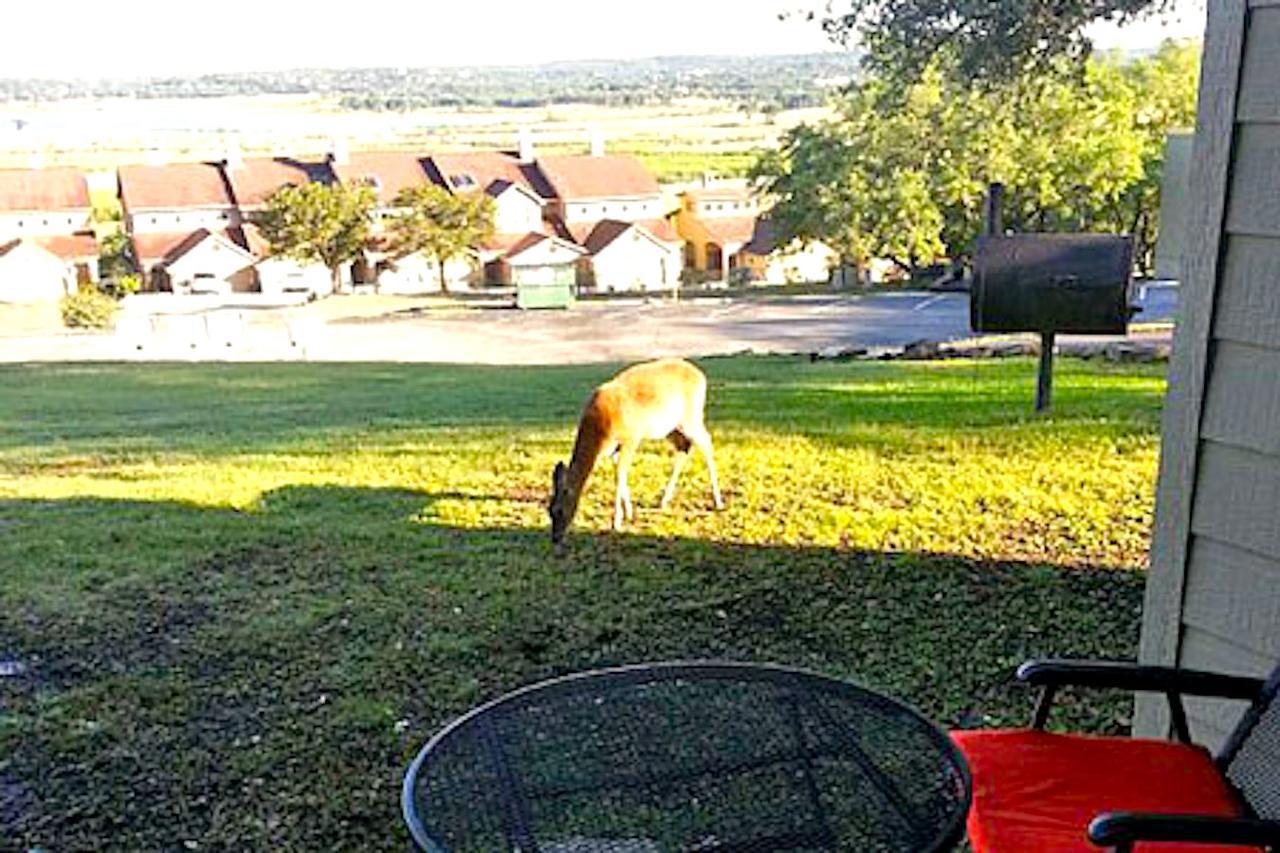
(545, 286)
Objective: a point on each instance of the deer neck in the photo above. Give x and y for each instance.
(587, 448)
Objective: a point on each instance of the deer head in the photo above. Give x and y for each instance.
(563, 503)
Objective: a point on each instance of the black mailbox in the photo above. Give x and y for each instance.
(1051, 283)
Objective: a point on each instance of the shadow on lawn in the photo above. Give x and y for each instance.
(260, 680)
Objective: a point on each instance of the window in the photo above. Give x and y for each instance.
(461, 181)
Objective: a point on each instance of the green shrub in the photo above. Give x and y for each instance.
(122, 286)
(89, 308)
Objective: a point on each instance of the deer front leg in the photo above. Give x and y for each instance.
(682, 456)
(622, 507)
(702, 440)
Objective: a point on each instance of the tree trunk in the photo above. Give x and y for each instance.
(335, 273)
(444, 282)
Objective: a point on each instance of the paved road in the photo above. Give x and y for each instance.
(594, 331)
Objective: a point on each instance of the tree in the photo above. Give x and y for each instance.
(990, 39)
(905, 177)
(440, 224)
(329, 224)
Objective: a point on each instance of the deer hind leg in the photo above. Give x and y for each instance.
(702, 440)
(622, 507)
(682, 445)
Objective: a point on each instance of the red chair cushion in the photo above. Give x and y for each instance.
(1034, 791)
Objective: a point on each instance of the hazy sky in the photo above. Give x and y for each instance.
(90, 38)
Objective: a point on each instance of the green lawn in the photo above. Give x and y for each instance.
(247, 594)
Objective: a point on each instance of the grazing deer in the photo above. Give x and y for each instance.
(657, 399)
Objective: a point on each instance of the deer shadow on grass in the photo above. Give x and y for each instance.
(260, 679)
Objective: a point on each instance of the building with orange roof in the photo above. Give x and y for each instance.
(727, 235)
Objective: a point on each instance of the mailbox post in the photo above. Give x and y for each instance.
(1050, 284)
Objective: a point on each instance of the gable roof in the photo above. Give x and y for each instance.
(82, 245)
(603, 234)
(730, 229)
(723, 192)
(43, 190)
(257, 178)
(467, 171)
(388, 172)
(534, 239)
(173, 185)
(764, 240)
(607, 232)
(577, 177)
(170, 246)
(501, 187)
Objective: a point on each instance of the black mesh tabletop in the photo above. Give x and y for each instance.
(688, 757)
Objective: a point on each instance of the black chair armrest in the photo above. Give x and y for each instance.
(1174, 683)
(1121, 830)
(1132, 676)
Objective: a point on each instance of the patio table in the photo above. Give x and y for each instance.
(688, 756)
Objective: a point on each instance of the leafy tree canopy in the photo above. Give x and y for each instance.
(990, 39)
(904, 178)
(329, 224)
(440, 224)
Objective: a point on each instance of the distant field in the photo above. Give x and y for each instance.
(678, 141)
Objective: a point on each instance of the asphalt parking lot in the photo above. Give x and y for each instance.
(591, 331)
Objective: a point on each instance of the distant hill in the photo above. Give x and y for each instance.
(765, 82)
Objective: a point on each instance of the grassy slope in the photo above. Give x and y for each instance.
(248, 594)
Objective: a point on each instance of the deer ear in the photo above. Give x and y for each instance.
(558, 476)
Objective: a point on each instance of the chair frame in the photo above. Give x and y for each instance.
(1122, 830)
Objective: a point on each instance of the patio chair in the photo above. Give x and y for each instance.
(1037, 791)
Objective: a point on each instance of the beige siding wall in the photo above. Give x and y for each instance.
(1213, 598)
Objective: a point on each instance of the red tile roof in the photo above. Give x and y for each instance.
(39, 190)
(388, 172)
(168, 247)
(173, 185)
(465, 171)
(504, 243)
(257, 178)
(534, 238)
(250, 237)
(71, 247)
(603, 234)
(663, 229)
(578, 176)
(722, 193)
(731, 229)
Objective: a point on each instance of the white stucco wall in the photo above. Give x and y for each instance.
(29, 274)
(516, 213)
(213, 266)
(169, 221)
(797, 265)
(624, 209)
(278, 276)
(420, 274)
(634, 262)
(36, 224)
